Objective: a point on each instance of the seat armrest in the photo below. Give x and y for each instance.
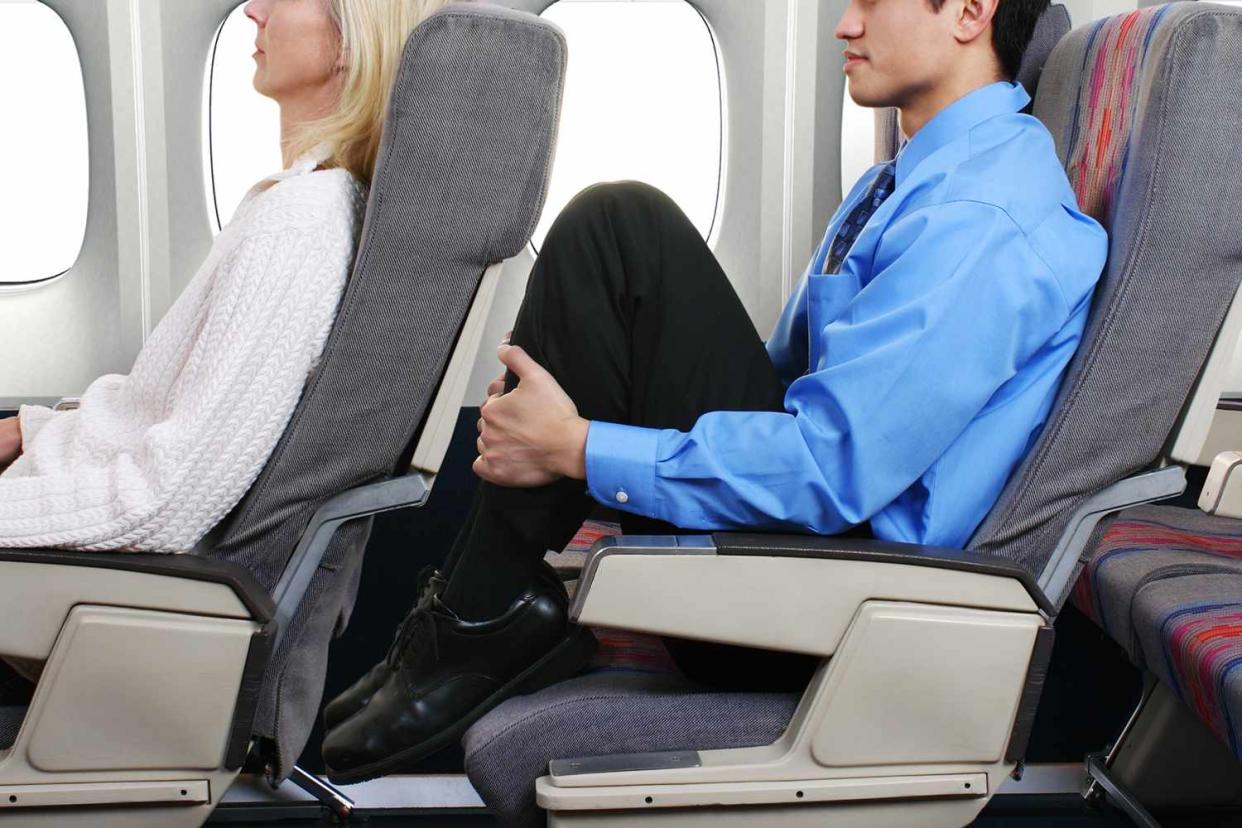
(792, 594)
(184, 567)
(1222, 490)
(878, 551)
(160, 618)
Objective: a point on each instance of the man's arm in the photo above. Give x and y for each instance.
(958, 305)
(787, 344)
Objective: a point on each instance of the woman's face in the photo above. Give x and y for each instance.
(298, 49)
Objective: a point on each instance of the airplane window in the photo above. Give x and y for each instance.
(857, 142)
(242, 128)
(642, 102)
(43, 141)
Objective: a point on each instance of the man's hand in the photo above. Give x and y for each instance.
(533, 435)
(10, 442)
(497, 386)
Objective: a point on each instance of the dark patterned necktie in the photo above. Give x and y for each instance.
(880, 189)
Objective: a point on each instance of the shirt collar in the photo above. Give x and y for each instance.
(305, 163)
(308, 161)
(958, 118)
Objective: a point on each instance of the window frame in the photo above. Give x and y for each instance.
(9, 285)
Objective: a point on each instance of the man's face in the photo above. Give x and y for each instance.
(896, 50)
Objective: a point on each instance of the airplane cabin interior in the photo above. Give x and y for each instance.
(1077, 662)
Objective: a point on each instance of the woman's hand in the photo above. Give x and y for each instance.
(10, 442)
(533, 435)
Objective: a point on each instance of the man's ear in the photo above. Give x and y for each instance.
(974, 19)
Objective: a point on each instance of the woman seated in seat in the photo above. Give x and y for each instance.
(152, 460)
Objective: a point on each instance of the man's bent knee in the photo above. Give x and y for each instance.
(625, 200)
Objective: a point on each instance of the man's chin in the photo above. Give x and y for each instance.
(863, 96)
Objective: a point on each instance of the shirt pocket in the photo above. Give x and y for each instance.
(828, 295)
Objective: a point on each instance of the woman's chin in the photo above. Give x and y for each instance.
(260, 85)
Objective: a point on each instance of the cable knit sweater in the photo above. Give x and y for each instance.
(153, 460)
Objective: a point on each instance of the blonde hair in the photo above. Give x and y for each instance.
(373, 35)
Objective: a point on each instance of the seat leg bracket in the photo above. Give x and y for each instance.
(325, 792)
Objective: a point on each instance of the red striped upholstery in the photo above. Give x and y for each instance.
(1166, 583)
(618, 649)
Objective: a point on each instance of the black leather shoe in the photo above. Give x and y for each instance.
(450, 674)
(430, 585)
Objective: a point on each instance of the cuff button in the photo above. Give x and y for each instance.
(622, 497)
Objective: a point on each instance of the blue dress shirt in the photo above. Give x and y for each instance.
(919, 375)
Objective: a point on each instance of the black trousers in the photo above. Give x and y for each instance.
(628, 309)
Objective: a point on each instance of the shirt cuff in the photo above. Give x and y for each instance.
(620, 466)
(31, 418)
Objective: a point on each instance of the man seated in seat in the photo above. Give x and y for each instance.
(906, 378)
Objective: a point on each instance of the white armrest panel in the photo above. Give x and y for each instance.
(792, 604)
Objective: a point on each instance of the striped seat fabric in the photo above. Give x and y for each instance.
(1148, 140)
(619, 650)
(1166, 584)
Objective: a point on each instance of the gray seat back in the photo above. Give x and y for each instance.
(1146, 111)
(460, 183)
(1052, 25)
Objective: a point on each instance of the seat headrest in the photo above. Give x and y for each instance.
(473, 119)
(1100, 120)
(1052, 25)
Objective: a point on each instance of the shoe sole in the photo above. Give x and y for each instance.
(563, 661)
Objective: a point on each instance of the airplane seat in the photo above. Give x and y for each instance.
(1145, 117)
(162, 674)
(1144, 113)
(1165, 582)
(1052, 25)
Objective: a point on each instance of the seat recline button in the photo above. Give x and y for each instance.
(623, 497)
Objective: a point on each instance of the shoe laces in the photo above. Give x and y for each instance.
(412, 629)
(414, 623)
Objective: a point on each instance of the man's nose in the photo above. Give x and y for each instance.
(850, 26)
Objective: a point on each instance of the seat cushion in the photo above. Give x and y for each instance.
(608, 712)
(1166, 584)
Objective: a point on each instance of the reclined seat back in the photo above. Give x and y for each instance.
(459, 185)
(1143, 108)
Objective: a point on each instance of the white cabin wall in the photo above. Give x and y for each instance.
(186, 33)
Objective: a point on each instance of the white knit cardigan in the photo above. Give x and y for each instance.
(153, 460)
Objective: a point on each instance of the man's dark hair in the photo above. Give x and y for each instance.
(1012, 27)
